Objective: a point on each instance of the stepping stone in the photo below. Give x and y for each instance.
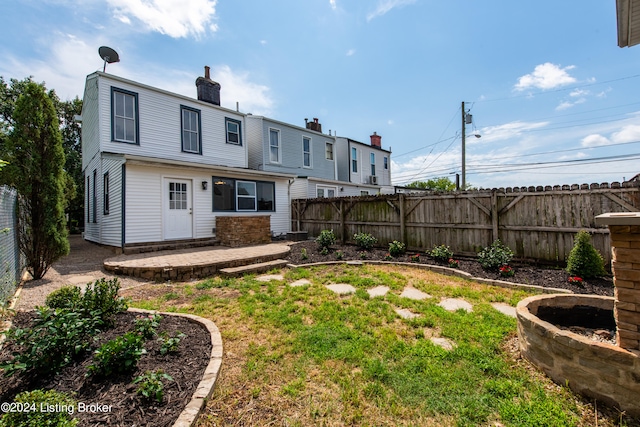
(378, 291)
(80, 280)
(413, 293)
(504, 308)
(300, 282)
(270, 277)
(406, 313)
(444, 343)
(341, 288)
(453, 304)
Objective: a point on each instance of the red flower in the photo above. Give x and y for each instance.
(575, 279)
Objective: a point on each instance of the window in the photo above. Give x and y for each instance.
(306, 152)
(274, 145)
(373, 164)
(191, 136)
(364, 193)
(354, 160)
(124, 111)
(324, 191)
(178, 196)
(88, 199)
(94, 216)
(105, 193)
(237, 195)
(386, 162)
(328, 148)
(233, 131)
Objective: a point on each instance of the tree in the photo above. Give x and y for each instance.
(436, 184)
(33, 149)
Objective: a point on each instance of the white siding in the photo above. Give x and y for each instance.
(300, 189)
(111, 223)
(90, 122)
(143, 203)
(92, 229)
(160, 129)
(255, 144)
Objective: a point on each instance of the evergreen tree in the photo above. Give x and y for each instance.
(36, 160)
(584, 259)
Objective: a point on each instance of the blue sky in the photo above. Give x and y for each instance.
(545, 80)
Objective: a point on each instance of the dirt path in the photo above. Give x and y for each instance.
(81, 266)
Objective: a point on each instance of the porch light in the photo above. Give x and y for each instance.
(204, 185)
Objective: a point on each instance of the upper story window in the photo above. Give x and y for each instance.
(386, 162)
(306, 152)
(373, 164)
(354, 160)
(328, 149)
(234, 135)
(274, 145)
(124, 116)
(191, 135)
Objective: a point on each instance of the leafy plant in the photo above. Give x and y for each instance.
(575, 280)
(170, 344)
(146, 325)
(32, 415)
(453, 263)
(414, 258)
(56, 338)
(495, 256)
(365, 240)
(68, 297)
(507, 271)
(584, 260)
(324, 251)
(326, 238)
(118, 355)
(396, 248)
(150, 385)
(388, 257)
(339, 255)
(362, 254)
(102, 296)
(441, 253)
(304, 254)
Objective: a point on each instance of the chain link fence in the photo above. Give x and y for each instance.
(11, 262)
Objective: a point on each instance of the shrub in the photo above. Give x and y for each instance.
(324, 251)
(34, 417)
(102, 296)
(365, 240)
(396, 248)
(326, 238)
(304, 254)
(56, 338)
(507, 271)
(68, 297)
(118, 355)
(495, 256)
(584, 260)
(146, 325)
(441, 253)
(150, 384)
(453, 263)
(170, 344)
(414, 258)
(339, 255)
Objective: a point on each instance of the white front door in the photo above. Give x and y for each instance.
(178, 211)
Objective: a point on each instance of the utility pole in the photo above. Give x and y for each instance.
(464, 131)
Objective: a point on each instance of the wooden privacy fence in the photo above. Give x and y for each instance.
(537, 223)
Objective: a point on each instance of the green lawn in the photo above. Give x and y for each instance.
(306, 356)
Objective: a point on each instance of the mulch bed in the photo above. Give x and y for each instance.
(127, 408)
(524, 273)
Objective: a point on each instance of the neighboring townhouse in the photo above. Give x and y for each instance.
(366, 165)
(161, 167)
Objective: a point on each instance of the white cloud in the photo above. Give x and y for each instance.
(578, 93)
(595, 140)
(263, 42)
(351, 52)
(385, 6)
(175, 18)
(509, 130)
(628, 133)
(568, 104)
(332, 3)
(546, 76)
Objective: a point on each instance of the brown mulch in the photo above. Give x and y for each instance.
(524, 273)
(127, 408)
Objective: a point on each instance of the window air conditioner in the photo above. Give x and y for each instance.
(373, 179)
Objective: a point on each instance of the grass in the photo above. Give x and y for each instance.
(301, 356)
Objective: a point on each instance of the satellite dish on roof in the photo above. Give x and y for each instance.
(108, 55)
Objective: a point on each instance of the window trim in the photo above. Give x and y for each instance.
(354, 160)
(386, 162)
(325, 189)
(228, 120)
(94, 200)
(88, 199)
(310, 165)
(105, 194)
(243, 196)
(328, 148)
(372, 158)
(234, 182)
(136, 116)
(279, 146)
(184, 108)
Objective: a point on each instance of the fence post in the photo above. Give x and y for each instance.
(343, 230)
(298, 215)
(403, 225)
(494, 214)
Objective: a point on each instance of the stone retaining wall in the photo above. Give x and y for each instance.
(234, 231)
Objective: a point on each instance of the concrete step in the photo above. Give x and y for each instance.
(253, 268)
(169, 245)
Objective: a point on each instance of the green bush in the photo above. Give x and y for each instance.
(68, 297)
(584, 260)
(146, 325)
(396, 248)
(150, 385)
(34, 417)
(102, 296)
(118, 355)
(495, 256)
(365, 240)
(441, 253)
(56, 338)
(170, 344)
(326, 238)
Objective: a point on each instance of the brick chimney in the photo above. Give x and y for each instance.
(208, 90)
(314, 125)
(376, 140)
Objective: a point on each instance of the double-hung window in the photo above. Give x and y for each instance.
(306, 152)
(191, 134)
(373, 164)
(124, 112)
(328, 148)
(274, 145)
(386, 162)
(94, 199)
(243, 196)
(234, 134)
(105, 194)
(354, 160)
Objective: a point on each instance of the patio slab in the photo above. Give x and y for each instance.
(378, 291)
(405, 313)
(300, 282)
(444, 343)
(341, 288)
(504, 308)
(454, 304)
(415, 294)
(270, 277)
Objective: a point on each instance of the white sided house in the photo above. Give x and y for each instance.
(161, 167)
(365, 165)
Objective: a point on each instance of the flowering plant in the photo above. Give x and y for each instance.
(575, 279)
(388, 257)
(414, 258)
(506, 271)
(453, 263)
